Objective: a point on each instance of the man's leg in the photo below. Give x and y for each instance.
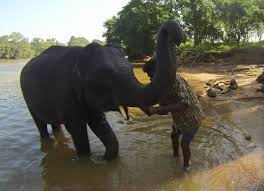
(175, 140)
(185, 145)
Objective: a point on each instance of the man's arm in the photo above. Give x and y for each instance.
(146, 110)
(163, 110)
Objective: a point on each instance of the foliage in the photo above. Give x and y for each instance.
(238, 19)
(217, 24)
(78, 41)
(98, 42)
(136, 26)
(258, 14)
(16, 46)
(207, 24)
(39, 45)
(200, 20)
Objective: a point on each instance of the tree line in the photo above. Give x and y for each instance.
(206, 23)
(16, 46)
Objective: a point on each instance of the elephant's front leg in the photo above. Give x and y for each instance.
(80, 138)
(101, 128)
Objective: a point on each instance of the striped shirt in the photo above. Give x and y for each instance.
(189, 120)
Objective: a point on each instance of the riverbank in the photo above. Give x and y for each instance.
(13, 61)
(240, 107)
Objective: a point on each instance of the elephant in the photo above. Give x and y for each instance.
(74, 86)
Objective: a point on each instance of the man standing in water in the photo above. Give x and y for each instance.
(185, 109)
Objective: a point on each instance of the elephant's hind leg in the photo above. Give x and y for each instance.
(55, 128)
(41, 125)
(80, 138)
(101, 128)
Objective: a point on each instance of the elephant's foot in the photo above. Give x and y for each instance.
(43, 130)
(83, 149)
(41, 125)
(84, 152)
(112, 151)
(46, 144)
(80, 138)
(56, 128)
(44, 134)
(82, 146)
(101, 128)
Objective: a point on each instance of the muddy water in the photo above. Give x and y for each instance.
(221, 157)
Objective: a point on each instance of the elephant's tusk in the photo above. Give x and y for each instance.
(122, 111)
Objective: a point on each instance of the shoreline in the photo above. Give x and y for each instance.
(14, 61)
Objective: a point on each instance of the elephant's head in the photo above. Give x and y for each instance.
(107, 78)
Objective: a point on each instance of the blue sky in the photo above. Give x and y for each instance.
(59, 19)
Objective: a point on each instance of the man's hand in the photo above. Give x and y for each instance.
(146, 110)
(164, 110)
(157, 110)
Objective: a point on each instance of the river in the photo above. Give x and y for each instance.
(222, 159)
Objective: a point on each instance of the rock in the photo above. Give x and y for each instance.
(248, 137)
(212, 92)
(260, 89)
(260, 79)
(225, 90)
(210, 82)
(233, 84)
(220, 87)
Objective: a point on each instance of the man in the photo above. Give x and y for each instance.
(185, 109)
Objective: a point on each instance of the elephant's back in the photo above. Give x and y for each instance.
(46, 79)
(51, 59)
(45, 70)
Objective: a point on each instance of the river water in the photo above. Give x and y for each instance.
(221, 157)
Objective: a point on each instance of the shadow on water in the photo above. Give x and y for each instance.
(221, 157)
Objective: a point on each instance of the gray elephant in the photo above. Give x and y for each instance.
(75, 85)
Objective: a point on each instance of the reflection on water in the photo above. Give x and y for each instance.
(221, 157)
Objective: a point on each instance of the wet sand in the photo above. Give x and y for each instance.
(235, 114)
(242, 107)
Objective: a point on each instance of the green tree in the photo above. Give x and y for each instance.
(4, 47)
(112, 34)
(78, 41)
(259, 18)
(14, 46)
(136, 26)
(200, 19)
(22, 49)
(39, 45)
(238, 19)
(98, 42)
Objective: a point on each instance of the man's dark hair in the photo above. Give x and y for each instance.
(150, 66)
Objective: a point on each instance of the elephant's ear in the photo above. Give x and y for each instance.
(76, 82)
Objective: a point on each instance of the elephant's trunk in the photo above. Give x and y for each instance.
(136, 94)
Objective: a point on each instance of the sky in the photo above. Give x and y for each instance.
(58, 19)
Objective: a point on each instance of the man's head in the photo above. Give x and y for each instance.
(150, 68)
